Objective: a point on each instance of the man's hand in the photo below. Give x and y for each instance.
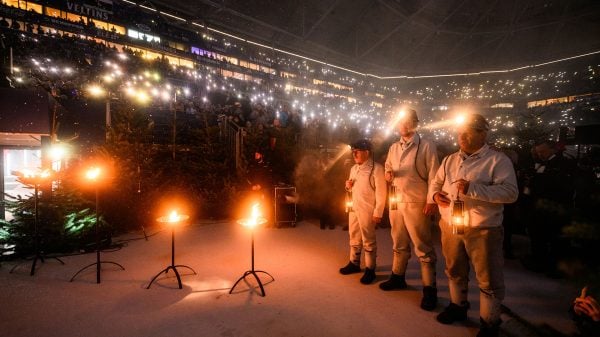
(462, 186)
(389, 176)
(441, 199)
(430, 209)
(376, 219)
(587, 306)
(349, 184)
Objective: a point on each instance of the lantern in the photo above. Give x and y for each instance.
(393, 198)
(458, 218)
(349, 202)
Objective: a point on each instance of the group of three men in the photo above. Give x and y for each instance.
(481, 178)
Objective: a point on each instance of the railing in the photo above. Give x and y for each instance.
(232, 135)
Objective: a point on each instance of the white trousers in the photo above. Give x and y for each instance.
(483, 248)
(362, 236)
(409, 224)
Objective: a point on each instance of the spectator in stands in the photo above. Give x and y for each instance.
(483, 180)
(366, 184)
(552, 195)
(283, 118)
(411, 165)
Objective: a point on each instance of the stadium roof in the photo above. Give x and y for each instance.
(408, 37)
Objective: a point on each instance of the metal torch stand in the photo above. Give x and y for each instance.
(98, 263)
(172, 266)
(39, 254)
(253, 273)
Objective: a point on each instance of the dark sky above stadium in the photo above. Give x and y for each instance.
(394, 37)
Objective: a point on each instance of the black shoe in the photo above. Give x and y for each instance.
(393, 283)
(488, 330)
(453, 313)
(368, 276)
(331, 226)
(350, 268)
(345, 228)
(429, 300)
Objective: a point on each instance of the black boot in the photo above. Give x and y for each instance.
(429, 300)
(394, 282)
(350, 268)
(453, 313)
(368, 276)
(488, 330)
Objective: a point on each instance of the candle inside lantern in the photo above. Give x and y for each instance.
(349, 202)
(458, 219)
(393, 198)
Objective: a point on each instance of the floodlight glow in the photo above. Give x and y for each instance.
(401, 114)
(57, 152)
(93, 173)
(459, 120)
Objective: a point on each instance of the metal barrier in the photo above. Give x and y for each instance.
(232, 135)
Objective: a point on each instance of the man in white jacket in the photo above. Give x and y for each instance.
(484, 180)
(410, 166)
(366, 184)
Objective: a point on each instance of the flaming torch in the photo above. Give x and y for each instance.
(252, 222)
(173, 219)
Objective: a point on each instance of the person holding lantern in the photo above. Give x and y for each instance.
(410, 166)
(367, 190)
(470, 187)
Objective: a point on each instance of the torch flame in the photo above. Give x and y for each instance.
(254, 215)
(174, 216)
(93, 173)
